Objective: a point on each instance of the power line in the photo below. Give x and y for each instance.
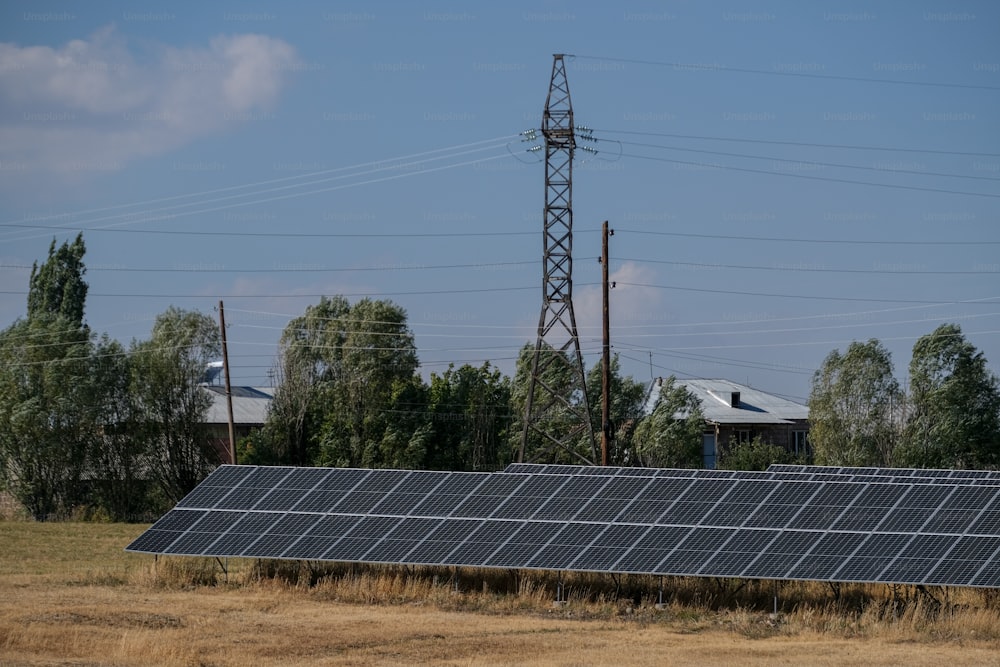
(832, 315)
(673, 371)
(773, 239)
(855, 147)
(277, 180)
(802, 75)
(167, 216)
(724, 361)
(787, 296)
(368, 332)
(449, 325)
(830, 179)
(755, 332)
(292, 295)
(816, 342)
(514, 289)
(195, 268)
(793, 267)
(291, 235)
(437, 235)
(809, 162)
(628, 336)
(464, 325)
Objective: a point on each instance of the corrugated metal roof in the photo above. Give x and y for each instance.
(250, 404)
(754, 407)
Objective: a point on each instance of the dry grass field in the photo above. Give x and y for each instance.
(69, 595)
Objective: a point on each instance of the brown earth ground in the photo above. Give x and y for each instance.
(69, 595)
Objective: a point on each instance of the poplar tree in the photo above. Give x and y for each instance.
(954, 416)
(854, 406)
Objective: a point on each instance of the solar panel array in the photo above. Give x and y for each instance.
(628, 520)
(896, 474)
(789, 472)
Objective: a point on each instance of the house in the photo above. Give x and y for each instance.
(737, 413)
(250, 406)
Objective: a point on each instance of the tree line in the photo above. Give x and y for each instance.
(948, 418)
(87, 423)
(90, 426)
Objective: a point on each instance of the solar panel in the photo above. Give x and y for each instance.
(895, 474)
(779, 471)
(777, 524)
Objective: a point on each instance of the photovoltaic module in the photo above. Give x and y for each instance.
(836, 525)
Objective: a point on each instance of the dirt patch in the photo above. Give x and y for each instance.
(110, 620)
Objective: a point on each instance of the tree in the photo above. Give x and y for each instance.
(343, 369)
(57, 286)
(628, 398)
(120, 454)
(469, 410)
(547, 443)
(286, 436)
(671, 435)
(46, 388)
(371, 353)
(755, 455)
(171, 406)
(954, 418)
(46, 427)
(852, 407)
(408, 436)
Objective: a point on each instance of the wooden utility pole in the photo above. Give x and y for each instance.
(605, 354)
(229, 390)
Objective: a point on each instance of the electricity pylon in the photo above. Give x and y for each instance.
(556, 410)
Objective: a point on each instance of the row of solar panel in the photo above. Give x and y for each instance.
(803, 505)
(656, 524)
(789, 472)
(650, 549)
(932, 473)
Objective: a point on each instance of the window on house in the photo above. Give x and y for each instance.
(743, 437)
(800, 443)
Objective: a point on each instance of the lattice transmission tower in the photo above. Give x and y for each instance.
(557, 422)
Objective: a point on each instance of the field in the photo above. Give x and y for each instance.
(69, 595)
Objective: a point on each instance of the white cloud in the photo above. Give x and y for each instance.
(95, 105)
(629, 303)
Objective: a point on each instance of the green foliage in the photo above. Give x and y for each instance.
(671, 436)
(469, 411)
(347, 381)
(628, 398)
(57, 286)
(119, 456)
(954, 417)
(852, 407)
(170, 405)
(550, 437)
(755, 455)
(46, 422)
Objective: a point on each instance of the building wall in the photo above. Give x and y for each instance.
(218, 436)
(781, 435)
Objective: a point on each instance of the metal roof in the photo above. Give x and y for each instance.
(250, 404)
(754, 406)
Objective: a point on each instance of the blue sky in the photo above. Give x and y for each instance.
(266, 154)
